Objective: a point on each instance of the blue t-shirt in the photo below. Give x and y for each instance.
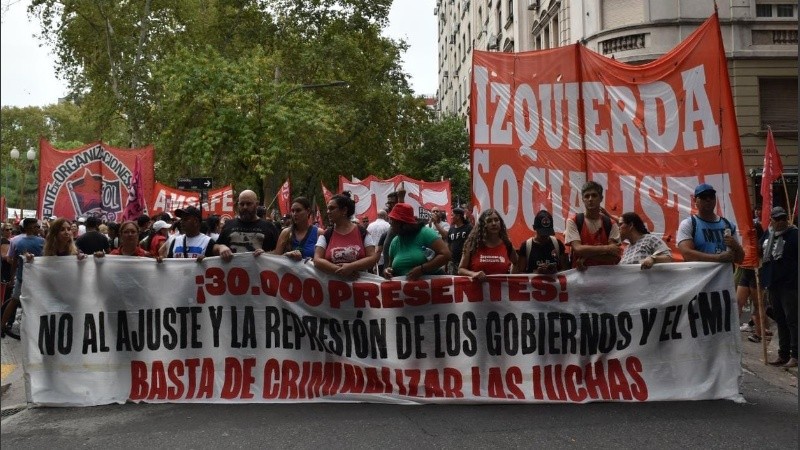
(308, 243)
(25, 244)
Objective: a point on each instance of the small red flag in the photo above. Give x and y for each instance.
(773, 169)
(285, 198)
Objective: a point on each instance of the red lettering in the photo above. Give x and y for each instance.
(338, 292)
(574, 378)
(139, 386)
(290, 371)
(158, 381)
(366, 293)
(390, 293)
(175, 373)
(233, 379)
(269, 283)
(291, 287)
(312, 292)
(618, 384)
(517, 289)
(544, 290)
(271, 385)
(639, 387)
(417, 293)
(441, 290)
(513, 380)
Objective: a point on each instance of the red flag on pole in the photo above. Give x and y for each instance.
(3, 210)
(326, 194)
(773, 169)
(136, 206)
(285, 198)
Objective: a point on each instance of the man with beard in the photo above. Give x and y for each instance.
(247, 232)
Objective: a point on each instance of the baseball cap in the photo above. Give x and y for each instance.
(160, 225)
(778, 212)
(192, 211)
(458, 210)
(704, 188)
(81, 219)
(543, 223)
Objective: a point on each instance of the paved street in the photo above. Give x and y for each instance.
(769, 419)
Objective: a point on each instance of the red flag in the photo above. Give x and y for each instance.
(3, 211)
(136, 206)
(328, 195)
(285, 198)
(773, 169)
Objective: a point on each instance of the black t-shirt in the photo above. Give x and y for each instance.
(6, 266)
(243, 237)
(93, 241)
(544, 253)
(456, 237)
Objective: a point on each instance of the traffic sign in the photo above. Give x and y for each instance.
(194, 184)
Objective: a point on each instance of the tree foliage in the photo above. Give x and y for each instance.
(218, 87)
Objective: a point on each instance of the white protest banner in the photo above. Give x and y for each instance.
(269, 329)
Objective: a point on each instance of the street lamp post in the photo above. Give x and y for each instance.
(30, 155)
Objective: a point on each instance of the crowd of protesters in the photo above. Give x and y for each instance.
(399, 243)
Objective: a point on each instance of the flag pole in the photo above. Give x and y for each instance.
(761, 318)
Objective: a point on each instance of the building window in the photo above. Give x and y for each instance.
(763, 10)
(785, 10)
(778, 103)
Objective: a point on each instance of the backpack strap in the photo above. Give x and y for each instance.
(694, 225)
(606, 224)
(528, 247)
(558, 250)
(579, 218)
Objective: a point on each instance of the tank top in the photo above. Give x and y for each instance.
(345, 248)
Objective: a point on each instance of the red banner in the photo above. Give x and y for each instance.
(543, 123)
(370, 194)
(285, 197)
(168, 199)
(326, 193)
(91, 180)
(773, 169)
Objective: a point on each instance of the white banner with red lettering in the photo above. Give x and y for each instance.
(269, 329)
(167, 199)
(370, 194)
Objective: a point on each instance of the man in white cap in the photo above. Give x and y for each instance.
(160, 234)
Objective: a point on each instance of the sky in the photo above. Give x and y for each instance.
(27, 73)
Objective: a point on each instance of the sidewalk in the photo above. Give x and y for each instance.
(753, 362)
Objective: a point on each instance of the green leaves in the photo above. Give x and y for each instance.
(217, 87)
